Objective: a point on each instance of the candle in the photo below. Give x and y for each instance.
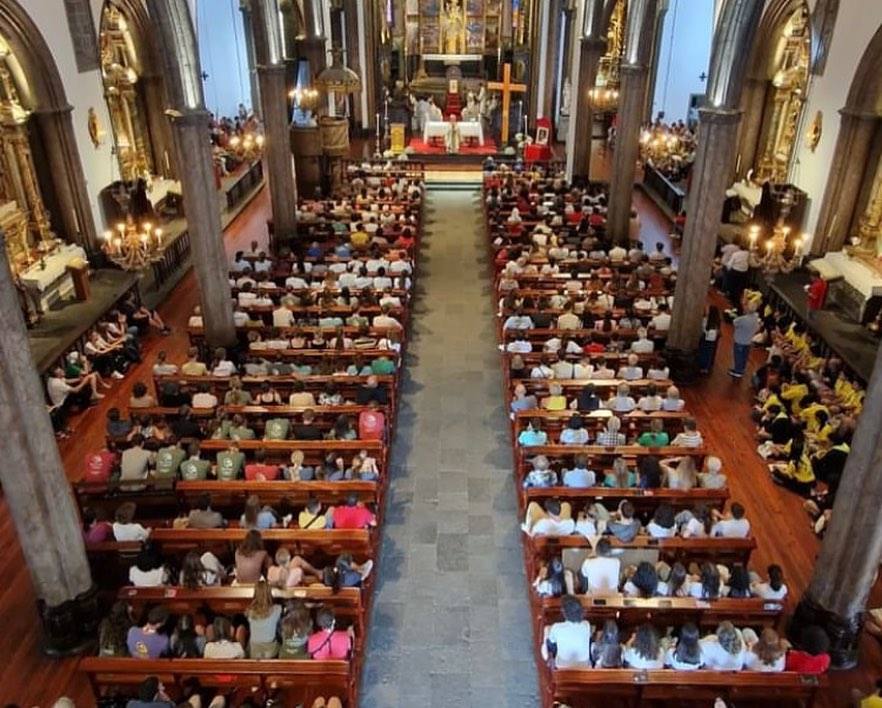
(76, 220)
(167, 163)
(378, 125)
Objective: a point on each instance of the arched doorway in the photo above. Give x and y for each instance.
(852, 205)
(134, 91)
(775, 92)
(42, 186)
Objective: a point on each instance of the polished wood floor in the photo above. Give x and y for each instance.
(720, 405)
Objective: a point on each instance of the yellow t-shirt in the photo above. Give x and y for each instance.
(359, 239)
(554, 403)
(794, 394)
(871, 702)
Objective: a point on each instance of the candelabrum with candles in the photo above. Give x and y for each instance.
(247, 147)
(604, 100)
(781, 252)
(133, 245)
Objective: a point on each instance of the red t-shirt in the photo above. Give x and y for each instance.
(817, 293)
(322, 645)
(805, 663)
(352, 517)
(266, 472)
(371, 425)
(99, 465)
(594, 348)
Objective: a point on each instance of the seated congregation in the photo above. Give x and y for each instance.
(232, 515)
(639, 560)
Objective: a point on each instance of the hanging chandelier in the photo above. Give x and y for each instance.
(338, 78)
(604, 100)
(246, 147)
(132, 245)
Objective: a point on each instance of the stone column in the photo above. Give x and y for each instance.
(69, 183)
(190, 120)
(274, 107)
(844, 183)
(245, 9)
(753, 101)
(549, 14)
(846, 569)
(311, 41)
(717, 133)
(37, 492)
(715, 154)
(634, 72)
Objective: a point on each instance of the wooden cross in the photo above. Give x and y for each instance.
(507, 88)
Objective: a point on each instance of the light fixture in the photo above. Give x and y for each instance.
(604, 100)
(780, 253)
(133, 245)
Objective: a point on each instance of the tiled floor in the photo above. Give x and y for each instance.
(450, 624)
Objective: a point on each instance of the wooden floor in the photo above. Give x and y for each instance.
(721, 405)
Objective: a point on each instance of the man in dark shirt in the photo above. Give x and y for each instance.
(307, 430)
(185, 426)
(371, 391)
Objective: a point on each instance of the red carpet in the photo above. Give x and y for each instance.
(421, 148)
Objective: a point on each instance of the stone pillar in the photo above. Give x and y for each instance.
(37, 492)
(274, 107)
(846, 569)
(658, 35)
(549, 36)
(711, 173)
(69, 183)
(587, 51)
(753, 101)
(717, 133)
(190, 120)
(245, 9)
(845, 181)
(311, 41)
(634, 73)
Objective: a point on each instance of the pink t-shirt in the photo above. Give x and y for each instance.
(352, 517)
(99, 465)
(322, 646)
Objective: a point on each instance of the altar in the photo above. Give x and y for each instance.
(441, 129)
(50, 279)
(855, 283)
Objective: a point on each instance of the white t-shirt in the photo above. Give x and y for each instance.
(573, 641)
(717, 658)
(753, 663)
(223, 650)
(552, 527)
(764, 591)
(147, 579)
(58, 390)
(656, 531)
(661, 322)
(204, 400)
(129, 532)
(694, 528)
(282, 317)
(602, 575)
(731, 528)
(635, 661)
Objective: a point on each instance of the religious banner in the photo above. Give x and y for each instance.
(396, 133)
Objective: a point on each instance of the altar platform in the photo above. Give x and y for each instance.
(420, 147)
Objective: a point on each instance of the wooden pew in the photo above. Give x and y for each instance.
(645, 501)
(581, 688)
(298, 680)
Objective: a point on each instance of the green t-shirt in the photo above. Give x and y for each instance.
(382, 366)
(241, 433)
(237, 398)
(277, 429)
(650, 439)
(194, 469)
(223, 432)
(229, 464)
(168, 460)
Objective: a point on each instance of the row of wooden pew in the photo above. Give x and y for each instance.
(580, 688)
(160, 501)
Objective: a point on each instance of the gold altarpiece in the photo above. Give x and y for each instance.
(119, 70)
(23, 215)
(608, 67)
(785, 100)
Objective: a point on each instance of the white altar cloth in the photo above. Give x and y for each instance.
(856, 273)
(440, 129)
(53, 282)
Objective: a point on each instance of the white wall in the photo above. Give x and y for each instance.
(222, 53)
(83, 91)
(684, 55)
(855, 26)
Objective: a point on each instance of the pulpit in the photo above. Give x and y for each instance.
(79, 274)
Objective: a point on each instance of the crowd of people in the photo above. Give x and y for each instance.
(323, 330)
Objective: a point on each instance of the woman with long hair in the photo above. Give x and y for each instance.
(765, 653)
(263, 623)
(295, 628)
(710, 337)
(686, 654)
(724, 651)
(251, 558)
(606, 650)
(644, 582)
(113, 631)
(644, 650)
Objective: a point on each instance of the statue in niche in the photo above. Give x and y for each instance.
(566, 98)
(453, 28)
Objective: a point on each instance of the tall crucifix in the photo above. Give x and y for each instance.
(507, 88)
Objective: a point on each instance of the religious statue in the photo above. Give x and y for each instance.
(566, 97)
(453, 28)
(433, 112)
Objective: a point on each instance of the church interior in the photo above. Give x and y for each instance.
(441, 353)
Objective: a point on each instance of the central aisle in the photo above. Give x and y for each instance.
(450, 623)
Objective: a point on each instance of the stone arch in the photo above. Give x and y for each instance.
(761, 69)
(857, 143)
(45, 97)
(151, 87)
